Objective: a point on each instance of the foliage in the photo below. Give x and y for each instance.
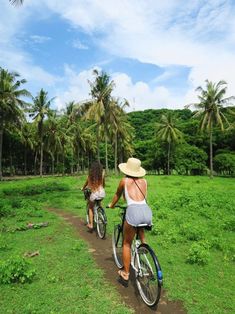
(198, 254)
(16, 270)
(225, 163)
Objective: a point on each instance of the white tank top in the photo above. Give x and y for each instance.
(129, 200)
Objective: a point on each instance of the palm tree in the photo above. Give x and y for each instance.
(210, 110)
(27, 139)
(39, 111)
(53, 132)
(99, 109)
(167, 132)
(119, 127)
(16, 2)
(11, 104)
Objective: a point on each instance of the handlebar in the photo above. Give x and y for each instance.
(118, 206)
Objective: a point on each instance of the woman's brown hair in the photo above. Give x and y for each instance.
(95, 178)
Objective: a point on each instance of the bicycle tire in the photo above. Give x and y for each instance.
(101, 223)
(148, 275)
(117, 243)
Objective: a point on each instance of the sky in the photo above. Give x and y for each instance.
(156, 52)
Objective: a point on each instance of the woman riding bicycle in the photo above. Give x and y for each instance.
(95, 183)
(134, 189)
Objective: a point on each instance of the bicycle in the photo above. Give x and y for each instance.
(100, 219)
(148, 273)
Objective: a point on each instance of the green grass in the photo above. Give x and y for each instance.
(193, 236)
(67, 279)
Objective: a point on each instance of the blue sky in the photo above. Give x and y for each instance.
(156, 52)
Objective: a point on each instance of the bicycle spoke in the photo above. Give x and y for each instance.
(147, 280)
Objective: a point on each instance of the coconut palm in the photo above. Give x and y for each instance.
(40, 110)
(166, 131)
(210, 110)
(52, 137)
(11, 104)
(16, 2)
(27, 139)
(119, 126)
(99, 109)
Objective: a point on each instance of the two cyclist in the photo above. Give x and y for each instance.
(95, 182)
(134, 190)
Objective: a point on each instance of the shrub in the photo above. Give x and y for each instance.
(198, 253)
(5, 208)
(36, 189)
(193, 232)
(16, 270)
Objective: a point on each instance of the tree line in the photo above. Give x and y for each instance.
(37, 139)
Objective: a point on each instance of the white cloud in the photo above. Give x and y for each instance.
(39, 39)
(78, 45)
(139, 94)
(198, 34)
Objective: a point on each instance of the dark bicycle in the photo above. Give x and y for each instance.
(100, 219)
(144, 261)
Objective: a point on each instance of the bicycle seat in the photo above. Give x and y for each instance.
(145, 226)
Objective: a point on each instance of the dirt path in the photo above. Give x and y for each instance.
(102, 252)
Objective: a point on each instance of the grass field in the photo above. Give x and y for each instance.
(193, 235)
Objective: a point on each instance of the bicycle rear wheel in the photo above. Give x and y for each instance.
(101, 223)
(117, 242)
(148, 275)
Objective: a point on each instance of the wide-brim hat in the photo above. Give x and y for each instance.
(132, 168)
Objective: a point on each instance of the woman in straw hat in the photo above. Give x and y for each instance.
(134, 189)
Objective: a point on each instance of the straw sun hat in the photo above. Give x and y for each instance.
(132, 168)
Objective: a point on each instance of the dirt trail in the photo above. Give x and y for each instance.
(102, 252)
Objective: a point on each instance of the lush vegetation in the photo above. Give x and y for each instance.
(36, 139)
(193, 235)
(62, 277)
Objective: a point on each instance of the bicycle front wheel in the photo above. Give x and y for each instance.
(117, 242)
(148, 275)
(101, 223)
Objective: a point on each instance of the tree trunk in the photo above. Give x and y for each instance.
(10, 156)
(52, 164)
(78, 155)
(35, 162)
(115, 153)
(211, 154)
(63, 161)
(168, 158)
(41, 157)
(98, 144)
(25, 161)
(106, 154)
(1, 138)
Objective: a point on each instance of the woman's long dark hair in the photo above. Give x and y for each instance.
(95, 178)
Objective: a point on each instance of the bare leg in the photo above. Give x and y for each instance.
(141, 235)
(129, 233)
(91, 214)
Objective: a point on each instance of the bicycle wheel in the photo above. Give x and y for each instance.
(117, 242)
(101, 223)
(148, 275)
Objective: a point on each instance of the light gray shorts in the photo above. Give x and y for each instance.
(139, 214)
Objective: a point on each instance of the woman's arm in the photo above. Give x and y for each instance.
(118, 194)
(85, 185)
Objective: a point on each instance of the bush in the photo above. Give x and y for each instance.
(198, 253)
(36, 189)
(5, 208)
(193, 232)
(16, 270)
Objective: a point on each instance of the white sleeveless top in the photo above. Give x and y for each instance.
(129, 200)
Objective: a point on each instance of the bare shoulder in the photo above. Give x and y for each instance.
(122, 182)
